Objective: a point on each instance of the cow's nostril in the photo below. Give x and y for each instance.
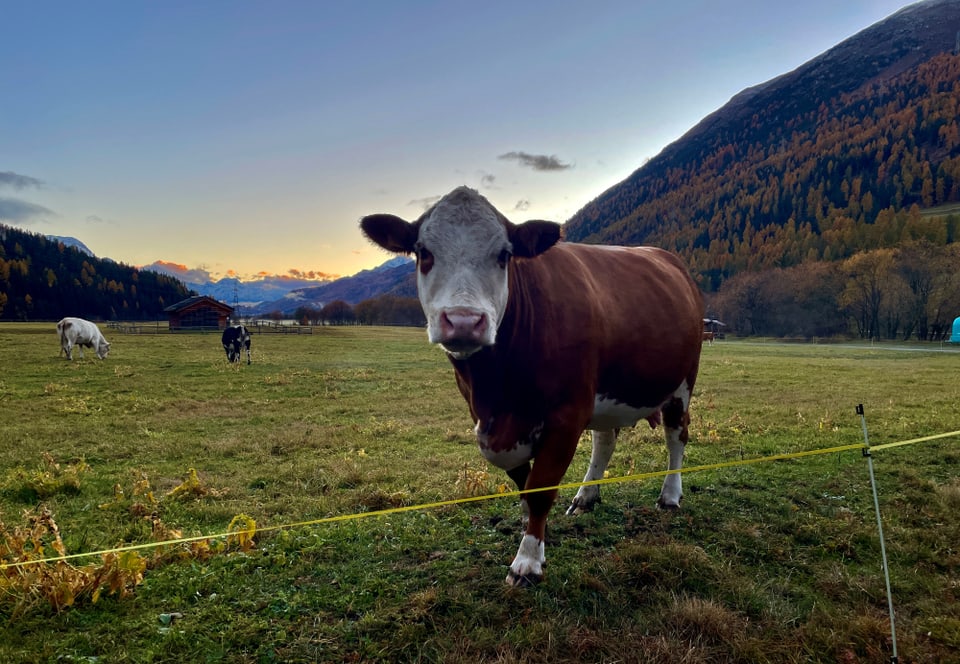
(463, 324)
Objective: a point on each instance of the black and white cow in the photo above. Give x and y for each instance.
(235, 339)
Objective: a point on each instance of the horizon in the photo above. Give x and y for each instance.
(244, 141)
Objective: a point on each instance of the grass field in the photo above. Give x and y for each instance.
(773, 562)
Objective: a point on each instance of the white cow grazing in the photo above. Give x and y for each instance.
(79, 332)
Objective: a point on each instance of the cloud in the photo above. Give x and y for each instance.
(308, 275)
(22, 212)
(538, 162)
(96, 219)
(182, 272)
(522, 205)
(487, 180)
(17, 181)
(425, 203)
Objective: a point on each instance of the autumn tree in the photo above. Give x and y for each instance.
(869, 286)
(307, 315)
(337, 312)
(390, 310)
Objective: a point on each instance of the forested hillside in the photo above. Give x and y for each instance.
(826, 201)
(42, 279)
(849, 176)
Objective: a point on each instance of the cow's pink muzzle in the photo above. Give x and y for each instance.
(463, 330)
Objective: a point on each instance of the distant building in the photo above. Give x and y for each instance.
(199, 311)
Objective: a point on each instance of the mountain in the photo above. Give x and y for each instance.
(71, 242)
(248, 294)
(817, 164)
(395, 277)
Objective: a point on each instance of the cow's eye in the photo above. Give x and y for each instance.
(504, 257)
(424, 259)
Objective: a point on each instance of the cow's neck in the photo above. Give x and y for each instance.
(499, 376)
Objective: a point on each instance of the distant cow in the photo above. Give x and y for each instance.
(550, 338)
(79, 332)
(235, 339)
(709, 336)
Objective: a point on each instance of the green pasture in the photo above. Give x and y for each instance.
(772, 562)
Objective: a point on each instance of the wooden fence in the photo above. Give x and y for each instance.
(158, 327)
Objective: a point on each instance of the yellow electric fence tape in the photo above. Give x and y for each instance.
(507, 494)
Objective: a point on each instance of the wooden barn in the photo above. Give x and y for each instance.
(199, 312)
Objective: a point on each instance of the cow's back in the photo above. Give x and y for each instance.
(627, 321)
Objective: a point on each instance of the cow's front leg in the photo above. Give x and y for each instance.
(675, 421)
(547, 471)
(587, 497)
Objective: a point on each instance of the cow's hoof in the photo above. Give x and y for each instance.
(523, 580)
(667, 507)
(580, 506)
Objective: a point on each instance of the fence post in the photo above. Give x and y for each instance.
(883, 549)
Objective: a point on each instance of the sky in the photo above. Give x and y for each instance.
(243, 138)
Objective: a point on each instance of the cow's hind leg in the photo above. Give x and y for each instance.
(675, 421)
(588, 496)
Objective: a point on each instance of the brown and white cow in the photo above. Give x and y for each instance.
(550, 338)
(77, 332)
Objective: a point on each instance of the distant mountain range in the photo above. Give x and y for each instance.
(247, 295)
(285, 294)
(395, 277)
(282, 293)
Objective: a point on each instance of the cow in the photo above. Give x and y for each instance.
(709, 337)
(77, 332)
(549, 338)
(235, 339)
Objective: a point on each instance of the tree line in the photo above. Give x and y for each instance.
(381, 310)
(908, 292)
(43, 279)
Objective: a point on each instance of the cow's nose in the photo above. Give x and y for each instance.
(462, 325)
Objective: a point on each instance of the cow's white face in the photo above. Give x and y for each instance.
(463, 248)
(463, 254)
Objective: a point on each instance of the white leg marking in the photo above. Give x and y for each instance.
(672, 490)
(604, 442)
(527, 566)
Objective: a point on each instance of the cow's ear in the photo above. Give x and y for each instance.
(390, 232)
(532, 238)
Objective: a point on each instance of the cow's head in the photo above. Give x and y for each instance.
(463, 248)
(233, 350)
(103, 349)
